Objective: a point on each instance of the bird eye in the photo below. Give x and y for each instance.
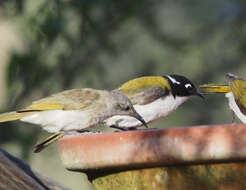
(127, 108)
(188, 85)
(124, 107)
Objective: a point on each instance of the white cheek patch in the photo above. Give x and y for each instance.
(174, 81)
(188, 85)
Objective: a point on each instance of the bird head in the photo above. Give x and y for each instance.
(123, 106)
(181, 86)
(237, 84)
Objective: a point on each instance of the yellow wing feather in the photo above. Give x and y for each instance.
(11, 116)
(43, 106)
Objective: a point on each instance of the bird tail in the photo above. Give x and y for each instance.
(211, 88)
(39, 147)
(11, 116)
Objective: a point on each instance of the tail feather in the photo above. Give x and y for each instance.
(210, 88)
(11, 116)
(39, 147)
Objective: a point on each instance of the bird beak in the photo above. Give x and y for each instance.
(139, 117)
(196, 93)
(200, 95)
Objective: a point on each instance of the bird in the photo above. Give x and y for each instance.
(235, 91)
(73, 110)
(153, 97)
(237, 96)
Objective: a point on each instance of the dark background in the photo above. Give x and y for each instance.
(51, 45)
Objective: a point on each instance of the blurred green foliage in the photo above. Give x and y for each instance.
(103, 43)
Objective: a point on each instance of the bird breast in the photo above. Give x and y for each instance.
(233, 105)
(59, 120)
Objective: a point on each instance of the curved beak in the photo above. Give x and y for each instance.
(139, 117)
(199, 94)
(196, 93)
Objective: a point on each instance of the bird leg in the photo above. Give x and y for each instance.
(233, 117)
(40, 146)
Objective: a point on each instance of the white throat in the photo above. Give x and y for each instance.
(157, 109)
(234, 107)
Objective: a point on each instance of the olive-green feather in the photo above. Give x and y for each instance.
(238, 88)
(134, 86)
(143, 90)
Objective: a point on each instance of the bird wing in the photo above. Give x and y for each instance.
(144, 90)
(238, 88)
(212, 88)
(76, 99)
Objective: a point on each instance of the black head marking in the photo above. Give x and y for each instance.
(181, 86)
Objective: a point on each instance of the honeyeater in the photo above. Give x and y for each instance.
(154, 97)
(235, 91)
(73, 110)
